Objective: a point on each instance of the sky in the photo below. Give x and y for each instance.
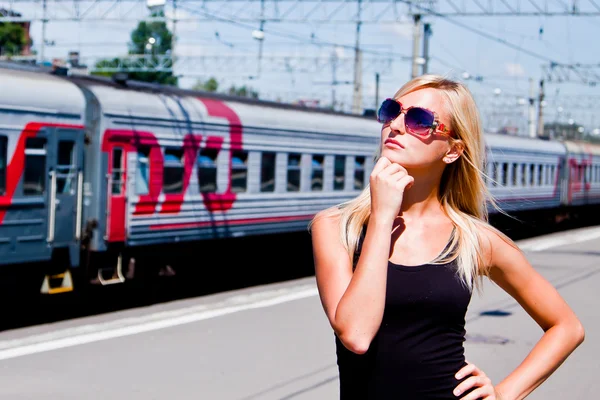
(505, 51)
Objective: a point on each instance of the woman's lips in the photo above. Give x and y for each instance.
(393, 142)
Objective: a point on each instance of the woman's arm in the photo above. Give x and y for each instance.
(563, 332)
(353, 303)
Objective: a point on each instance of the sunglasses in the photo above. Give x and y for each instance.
(418, 120)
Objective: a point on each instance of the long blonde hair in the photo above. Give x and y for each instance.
(463, 192)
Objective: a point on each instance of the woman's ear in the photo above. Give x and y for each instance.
(456, 149)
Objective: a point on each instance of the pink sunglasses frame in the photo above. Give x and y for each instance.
(437, 126)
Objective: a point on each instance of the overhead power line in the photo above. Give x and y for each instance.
(297, 11)
(234, 63)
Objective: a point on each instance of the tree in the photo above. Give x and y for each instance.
(145, 30)
(243, 91)
(150, 39)
(12, 39)
(563, 130)
(211, 85)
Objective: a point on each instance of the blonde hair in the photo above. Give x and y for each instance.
(463, 192)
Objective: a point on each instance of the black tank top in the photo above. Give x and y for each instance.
(419, 346)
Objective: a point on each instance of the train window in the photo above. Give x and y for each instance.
(239, 171)
(3, 151)
(293, 172)
(173, 171)
(117, 170)
(142, 175)
(339, 172)
(531, 174)
(267, 172)
(505, 174)
(359, 172)
(543, 174)
(492, 174)
(65, 167)
(207, 170)
(484, 174)
(522, 173)
(34, 180)
(316, 180)
(513, 173)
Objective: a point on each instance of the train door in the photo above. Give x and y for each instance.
(65, 159)
(585, 170)
(115, 228)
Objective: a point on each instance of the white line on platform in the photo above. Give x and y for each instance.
(564, 239)
(131, 326)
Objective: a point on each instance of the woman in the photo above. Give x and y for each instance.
(396, 266)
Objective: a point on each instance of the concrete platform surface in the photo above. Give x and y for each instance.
(274, 342)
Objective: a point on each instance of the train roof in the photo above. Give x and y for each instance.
(579, 147)
(32, 91)
(139, 100)
(498, 141)
(156, 88)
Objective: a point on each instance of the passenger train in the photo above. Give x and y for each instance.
(100, 175)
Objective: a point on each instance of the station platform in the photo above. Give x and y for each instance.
(273, 342)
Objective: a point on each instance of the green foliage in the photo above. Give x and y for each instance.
(243, 91)
(106, 63)
(146, 30)
(562, 130)
(12, 39)
(211, 85)
(139, 41)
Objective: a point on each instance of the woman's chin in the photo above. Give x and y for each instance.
(394, 156)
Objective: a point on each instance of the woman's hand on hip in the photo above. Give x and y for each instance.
(388, 181)
(478, 382)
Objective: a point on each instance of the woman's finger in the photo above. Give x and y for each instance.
(405, 182)
(470, 382)
(380, 165)
(392, 169)
(482, 393)
(466, 370)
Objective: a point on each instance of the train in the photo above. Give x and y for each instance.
(103, 177)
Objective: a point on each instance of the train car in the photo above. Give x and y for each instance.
(166, 168)
(41, 167)
(582, 174)
(524, 174)
(106, 175)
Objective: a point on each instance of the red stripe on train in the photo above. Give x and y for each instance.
(216, 108)
(14, 170)
(184, 225)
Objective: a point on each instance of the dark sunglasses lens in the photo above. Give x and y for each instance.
(388, 111)
(419, 120)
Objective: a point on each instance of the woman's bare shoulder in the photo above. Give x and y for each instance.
(328, 218)
(493, 240)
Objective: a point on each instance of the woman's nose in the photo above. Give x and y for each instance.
(397, 125)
